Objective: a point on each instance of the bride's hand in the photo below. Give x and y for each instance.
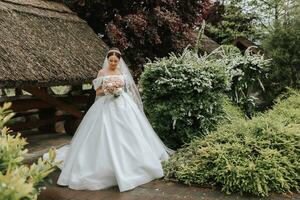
(99, 91)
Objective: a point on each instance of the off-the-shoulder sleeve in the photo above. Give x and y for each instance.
(97, 82)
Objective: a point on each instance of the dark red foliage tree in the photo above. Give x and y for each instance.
(143, 28)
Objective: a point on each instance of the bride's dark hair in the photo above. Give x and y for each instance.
(114, 52)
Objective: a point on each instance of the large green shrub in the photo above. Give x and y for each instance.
(246, 73)
(248, 156)
(181, 96)
(19, 181)
(232, 111)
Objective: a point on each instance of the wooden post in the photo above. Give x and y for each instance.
(91, 99)
(45, 114)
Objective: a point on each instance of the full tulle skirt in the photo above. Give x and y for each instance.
(113, 145)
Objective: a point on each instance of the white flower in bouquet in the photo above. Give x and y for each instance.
(114, 87)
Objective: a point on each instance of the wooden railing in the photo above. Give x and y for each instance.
(41, 110)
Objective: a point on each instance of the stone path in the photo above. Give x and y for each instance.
(154, 190)
(39, 143)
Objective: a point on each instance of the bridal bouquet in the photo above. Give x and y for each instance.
(114, 87)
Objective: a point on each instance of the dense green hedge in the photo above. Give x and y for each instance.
(249, 156)
(182, 96)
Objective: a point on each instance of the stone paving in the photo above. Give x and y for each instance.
(155, 190)
(39, 143)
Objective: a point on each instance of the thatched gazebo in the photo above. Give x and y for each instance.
(45, 44)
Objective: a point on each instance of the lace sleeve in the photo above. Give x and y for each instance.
(97, 82)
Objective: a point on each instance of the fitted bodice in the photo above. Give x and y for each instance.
(107, 79)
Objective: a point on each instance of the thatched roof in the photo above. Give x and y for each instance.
(243, 43)
(44, 43)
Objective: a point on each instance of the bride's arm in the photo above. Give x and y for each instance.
(100, 90)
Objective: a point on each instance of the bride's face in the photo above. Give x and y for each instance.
(113, 62)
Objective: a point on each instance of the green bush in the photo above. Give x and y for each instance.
(19, 181)
(248, 156)
(182, 96)
(232, 111)
(246, 74)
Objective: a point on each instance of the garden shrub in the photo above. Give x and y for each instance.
(182, 96)
(19, 181)
(232, 111)
(246, 74)
(248, 156)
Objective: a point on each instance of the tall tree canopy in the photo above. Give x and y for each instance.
(253, 19)
(275, 24)
(229, 20)
(143, 28)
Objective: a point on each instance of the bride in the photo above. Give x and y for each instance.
(114, 143)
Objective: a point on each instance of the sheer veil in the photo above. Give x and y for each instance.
(132, 90)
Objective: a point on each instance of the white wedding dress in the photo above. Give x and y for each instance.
(113, 145)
